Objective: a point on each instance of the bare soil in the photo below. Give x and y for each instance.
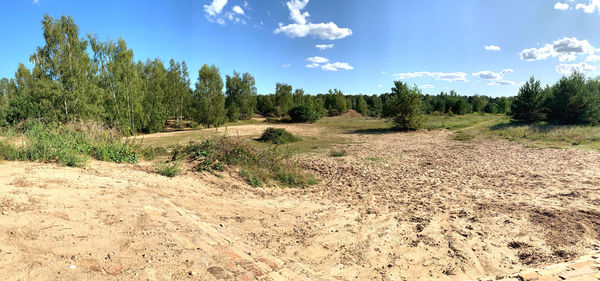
(400, 206)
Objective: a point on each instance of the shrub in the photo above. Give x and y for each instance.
(277, 136)
(8, 151)
(338, 153)
(258, 165)
(304, 113)
(168, 169)
(404, 107)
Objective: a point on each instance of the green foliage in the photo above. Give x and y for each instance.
(277, 136)
(283, 97)
(240, 92)
(404, 107)
(575, 100)
(463, 136)
(209, 101)
(304, 113)
(171, 169)
(528, 106)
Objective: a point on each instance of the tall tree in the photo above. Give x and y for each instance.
(283, 98)
(62, 66)
(240, 91)
(208, 97)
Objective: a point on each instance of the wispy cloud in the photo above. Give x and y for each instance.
(567, 69)
(337, 66)
(561, 6)
(492, 48)
(324, 46)
(450, 77)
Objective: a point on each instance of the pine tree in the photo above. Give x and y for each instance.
(528, 106)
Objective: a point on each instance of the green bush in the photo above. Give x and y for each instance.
(8, 151)
(277, 136)
(168, 169)
(304, 113)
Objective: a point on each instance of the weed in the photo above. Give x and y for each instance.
(463, 136)
(168, 169)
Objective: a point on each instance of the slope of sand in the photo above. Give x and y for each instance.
(400, 206)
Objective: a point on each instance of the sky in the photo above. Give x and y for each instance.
(487, 47)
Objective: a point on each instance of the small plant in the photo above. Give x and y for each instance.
(338, 153)
(277, 136)
(168, 169)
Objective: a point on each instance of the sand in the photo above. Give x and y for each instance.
(400, 206)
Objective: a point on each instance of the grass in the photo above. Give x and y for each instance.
(463, 136)
(69, 145)
(543, 134)
(457, 121)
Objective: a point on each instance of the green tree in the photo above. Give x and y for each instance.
(208, 97)
(240, 92)
(283, 98)
(575, 100)
(362, 107)
(404, 107)
(479, 103)
(62, 66)
(528, 105)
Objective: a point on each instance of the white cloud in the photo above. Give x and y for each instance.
(286, 65)
(566, 49)
(328, 31)
(337, 66)
(238, 10)
(589, 8)
(566, 69)
(383, 72)
(295, 7)
(450, 77)
(561, 6)
(489, 75)
(428, 86)
(37, 2)
(501, 83)
(492, 48)
(379, 85)
(317, 60)
(215, 7)
(302, 27)
(324, 46)
(312, 65)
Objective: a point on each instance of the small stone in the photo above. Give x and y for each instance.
(532, 275)
(72, 266)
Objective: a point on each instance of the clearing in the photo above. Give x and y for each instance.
(398, 206)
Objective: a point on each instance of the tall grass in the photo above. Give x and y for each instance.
(70, 145)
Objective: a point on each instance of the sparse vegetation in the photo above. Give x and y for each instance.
(168, 169)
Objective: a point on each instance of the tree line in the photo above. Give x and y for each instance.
(574, 99)
(84, 78)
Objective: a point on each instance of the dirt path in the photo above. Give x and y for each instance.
(400, 206)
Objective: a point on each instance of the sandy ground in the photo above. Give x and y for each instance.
(400, 206)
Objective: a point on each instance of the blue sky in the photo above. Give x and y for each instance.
(365, 45)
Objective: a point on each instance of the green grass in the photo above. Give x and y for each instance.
(69, 145)
(463, 136)
(457, 121)
(543, 134)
